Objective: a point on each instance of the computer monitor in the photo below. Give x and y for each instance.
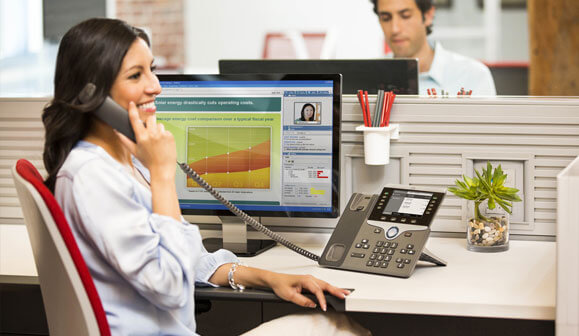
(268, 143)
(398, 74)
(511, 79)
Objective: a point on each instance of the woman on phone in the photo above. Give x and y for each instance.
(119, 196)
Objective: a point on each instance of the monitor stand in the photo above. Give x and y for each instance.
(235, 239)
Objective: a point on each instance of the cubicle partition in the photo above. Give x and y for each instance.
(568, 250)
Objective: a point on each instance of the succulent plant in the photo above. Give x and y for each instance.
(488, 185)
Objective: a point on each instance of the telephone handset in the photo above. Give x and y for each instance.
(383, 234)
(109, 112)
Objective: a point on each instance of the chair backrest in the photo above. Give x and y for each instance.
(71, 301)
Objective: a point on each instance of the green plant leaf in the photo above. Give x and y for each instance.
(503, 202)
(461, 184)
(491, 203)
(509, 197)
(469, 182)
(511, 190)
(488, 175)
(506, 208)
(484, 183)
(499, 180)
(497, 173)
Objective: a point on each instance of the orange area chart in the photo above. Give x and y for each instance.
(230, 157)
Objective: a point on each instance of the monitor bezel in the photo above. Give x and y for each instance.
(336, 137)
(387, 66)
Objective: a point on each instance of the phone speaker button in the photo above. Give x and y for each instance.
(336, 252)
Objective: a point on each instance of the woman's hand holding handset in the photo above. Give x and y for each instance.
(155, 148)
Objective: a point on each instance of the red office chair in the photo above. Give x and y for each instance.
(71, 301)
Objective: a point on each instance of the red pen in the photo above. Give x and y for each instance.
(367, 108)
(386, 112)
(390, 102)
(361, 100)
(383, 108)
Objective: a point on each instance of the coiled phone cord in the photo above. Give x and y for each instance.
(246, 218)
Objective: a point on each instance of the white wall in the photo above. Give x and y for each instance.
(513, 44)
(219, 29)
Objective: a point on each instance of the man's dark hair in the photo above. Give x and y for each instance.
(423, 5)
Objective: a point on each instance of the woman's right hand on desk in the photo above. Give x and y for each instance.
(289, 287)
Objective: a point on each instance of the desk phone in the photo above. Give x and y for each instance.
(385, 233)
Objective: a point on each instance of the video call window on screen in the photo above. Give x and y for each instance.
(308, 112)
(266, 145)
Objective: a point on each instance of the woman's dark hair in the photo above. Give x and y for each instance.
(423, 5)
(90, 52)
(303, 118)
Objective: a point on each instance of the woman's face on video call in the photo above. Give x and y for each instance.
(308, 112)
(136, 80)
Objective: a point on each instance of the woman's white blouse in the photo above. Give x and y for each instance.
(144, 265)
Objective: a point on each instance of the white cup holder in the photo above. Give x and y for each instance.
(377, 143)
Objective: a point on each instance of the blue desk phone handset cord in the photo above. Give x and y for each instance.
(117, 117)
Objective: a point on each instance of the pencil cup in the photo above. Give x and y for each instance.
(377, 143)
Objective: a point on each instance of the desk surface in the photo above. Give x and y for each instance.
(519, 283)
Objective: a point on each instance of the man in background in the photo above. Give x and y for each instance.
(406, 24)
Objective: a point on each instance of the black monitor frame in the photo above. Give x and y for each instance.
(336, 135)
(399, 75)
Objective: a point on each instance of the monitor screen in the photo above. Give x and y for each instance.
(267, 143)
(399, 75)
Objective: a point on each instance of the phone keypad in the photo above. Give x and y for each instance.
(376, 251)
(383, 252)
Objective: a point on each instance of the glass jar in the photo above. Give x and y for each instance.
(488, 233)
